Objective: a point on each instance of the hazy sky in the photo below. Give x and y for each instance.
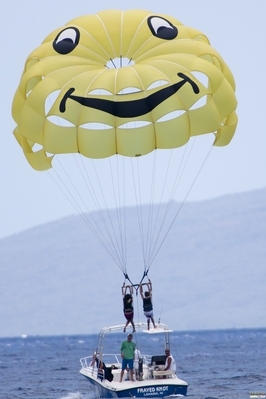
(235, 30)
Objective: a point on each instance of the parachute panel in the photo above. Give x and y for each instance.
(226, 132)
(173, 133)
(60, 139)
(97, 143)
(136, 142)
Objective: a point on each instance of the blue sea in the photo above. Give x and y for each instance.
(216, 364)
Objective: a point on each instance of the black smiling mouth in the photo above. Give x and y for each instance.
(133, 108)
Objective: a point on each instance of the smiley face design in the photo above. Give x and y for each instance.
(122, 82)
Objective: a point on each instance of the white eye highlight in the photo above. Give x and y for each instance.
(158, 23)
(67, 34)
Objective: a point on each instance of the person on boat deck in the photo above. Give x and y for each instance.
(127, 353)
(127, 292)
(100, 373)
(147, 303)
(105, 372)
(137, 357)
(170, 363)
(94, 361)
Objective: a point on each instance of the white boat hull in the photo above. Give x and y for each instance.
(152, 388)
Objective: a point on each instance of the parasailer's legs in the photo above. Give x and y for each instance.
(127, 323)
(133, 325)
(148, 322)
(149, 319)
(153, 322)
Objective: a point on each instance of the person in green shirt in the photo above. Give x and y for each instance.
(127, 353)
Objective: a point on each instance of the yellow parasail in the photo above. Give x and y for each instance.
(122, 82)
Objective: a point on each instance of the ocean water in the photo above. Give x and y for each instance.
(216, 364)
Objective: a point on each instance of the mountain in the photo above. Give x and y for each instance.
(56, 278)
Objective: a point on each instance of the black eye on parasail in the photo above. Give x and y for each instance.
(162, 28)
(66, 40)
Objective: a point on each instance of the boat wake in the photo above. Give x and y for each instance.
(78, 395)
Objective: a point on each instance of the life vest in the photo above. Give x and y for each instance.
(147, 304)
(128, 303)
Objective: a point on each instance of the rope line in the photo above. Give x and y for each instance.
(154, 219)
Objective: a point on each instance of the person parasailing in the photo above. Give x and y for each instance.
(147, 303)
(127, 292)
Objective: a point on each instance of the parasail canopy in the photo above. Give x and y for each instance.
(122, 83)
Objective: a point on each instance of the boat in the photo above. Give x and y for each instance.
(150, 379)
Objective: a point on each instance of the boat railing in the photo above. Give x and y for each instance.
(111, 359)
(86, 361)
(152, 367)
